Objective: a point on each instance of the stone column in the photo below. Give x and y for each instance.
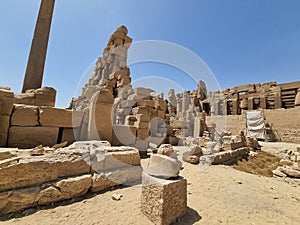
(297, 99)
(250, 103)
(36, 61)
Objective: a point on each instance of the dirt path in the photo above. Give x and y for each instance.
(218, 195)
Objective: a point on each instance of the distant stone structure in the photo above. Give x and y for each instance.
(37, 57)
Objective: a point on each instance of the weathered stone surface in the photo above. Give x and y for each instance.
(143, 117)
(142, 134)
(70, 135)
(44, 96)
(167, 149)
(100, 126)
(232, 145)
(125, 176)
(64, 189)
(4, 126)
(28, 170)
(289, 171)
(230, 155)
(6, 153)
(105, 96)
(25, 115)
(6, 101)
(29, 137)
(163, 166)
(15, 200)
(143, 91)
(55, 117)
(140, 110)
(123, 135)
(163, 201)
(146, 103)
(110, 158)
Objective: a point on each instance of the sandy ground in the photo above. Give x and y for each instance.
(217, 195)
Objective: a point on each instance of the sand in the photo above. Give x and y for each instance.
(217, 195)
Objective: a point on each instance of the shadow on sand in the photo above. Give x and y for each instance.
(189, 218)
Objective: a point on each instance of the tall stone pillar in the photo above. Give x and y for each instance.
(297, 99)
(36, 61)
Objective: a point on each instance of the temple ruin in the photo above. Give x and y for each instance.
(50, 154)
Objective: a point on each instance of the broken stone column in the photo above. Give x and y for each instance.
(100, 116)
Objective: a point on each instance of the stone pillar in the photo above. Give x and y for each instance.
(235, 107)
(297, 99)
(100, 124)
(263, 102)
(35, 67)
(250, 103)
(197, 127)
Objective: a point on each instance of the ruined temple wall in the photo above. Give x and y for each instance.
(284, 123)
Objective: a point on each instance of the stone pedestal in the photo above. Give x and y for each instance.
(163, 201)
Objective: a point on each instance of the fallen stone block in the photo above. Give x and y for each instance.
(29, 137)
(163, 201)
(64, 189)
(29, 170)
(163, 166)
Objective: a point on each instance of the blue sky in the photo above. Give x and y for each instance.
(241, 41)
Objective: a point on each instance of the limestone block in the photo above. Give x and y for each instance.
(25, 115)
(55, 117)
(35, 170)
(142, 134)
(123, 135)
(125, 176)
(163, 166)
(229, 156)
(146, 103)
(141, 125)
(289, 171)
(64, 189)
(163, 201)
(111, 158)
(7, 101)
(143, 117)
(140, 110)
(161, 114)
(167, 149)
(297, 99)
(7, 153)
(143, 91)
(105, 96)
(29, 137)
(124, 81)
(39, 97)
(70, 135)
(100, 122)
(15, 200)
(4, 126)
(232, 145)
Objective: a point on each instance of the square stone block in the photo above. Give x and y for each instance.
(25, 115)
(55, 117)
(163, 201)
